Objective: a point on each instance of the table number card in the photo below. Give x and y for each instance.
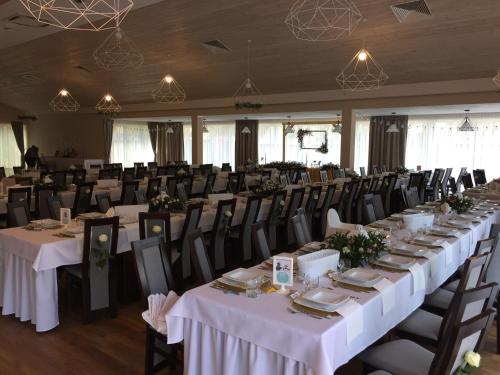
(283, 273)
(65, 214)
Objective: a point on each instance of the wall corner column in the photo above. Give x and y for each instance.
(197, 139)
(348, 140)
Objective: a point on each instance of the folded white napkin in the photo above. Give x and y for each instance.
(418, 276)
(448, 255)
(158, 306)
(110, 212)
(388, 292)
(353, 315)
(433, 262)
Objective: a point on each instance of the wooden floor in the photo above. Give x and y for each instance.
(109, 346)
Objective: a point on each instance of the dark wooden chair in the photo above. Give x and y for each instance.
(204, 271)
(17, 214)
(59, 177)
(241, 235)
(300, 228)
(153, 188)
(320, 216)
(273, 218)
(103, 201)
(467, 181)
(128, 174)
(260, 244)
(24, 181)
(226, 167)
(285, 225)
(83, 196)
(172, 182)
(312, 204)
(20, 195)
(79, 176)
(479, 177)
(54, 205)
(368, 207)
(217, 236)
(42, 195)
(235, 182)
(128, 192)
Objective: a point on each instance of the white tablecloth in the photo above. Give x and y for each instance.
(228, 334)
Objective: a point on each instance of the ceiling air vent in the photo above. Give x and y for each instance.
(82, 68)
(216, 46)
(17, 21)
(403, 10)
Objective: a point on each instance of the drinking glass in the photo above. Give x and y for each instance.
(252, 289)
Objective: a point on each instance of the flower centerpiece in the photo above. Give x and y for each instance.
(401, 170)
(252, 166)
(323, 149)
(351, 173)
(266, 189)
(100, 251)
(471, 362)
(301, 133)
(164, 202)
(459, 203)
(357, 246)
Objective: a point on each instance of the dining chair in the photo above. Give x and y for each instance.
(181, 192)
(362, 171)
(79, 176)
(226, 167)
(467, 181)
(474, 268)
(374, 184)
(116, 173)
(235, 182)
(152, 165)
(17, 214)
(273, 218)
(59, 178)
(140, 197)
(153, 188)
(259, 241)
(410, 197)
(18, 170)
(352, 188)
(83, 197)
(407, 357)
(203, 269)
(305, 177)
(172, 183)
(2, 172)
(312, 204)
(429, 329)
(283, 180)
(300, 228)
(340, 202)
(22, 194)
(157, 224)
(285, 225)
(463, 172)
(118, 166)
(364, 185)
(217, 236)
(209, 184)
(369, 215)
(142, 172)
(128, 192)
(266, 175)
(42, 195)
(444, 182)
(375, 170)
(479, 177)
(241, 235)
(55, 204)
(97, 271)
(432, 189)
(103, 201)
(320, 216)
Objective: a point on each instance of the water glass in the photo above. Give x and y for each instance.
(252, 289)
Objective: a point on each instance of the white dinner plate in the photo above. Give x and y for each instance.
(47, 223)
(361, 277)
(421, 240)
(240, 275)
(443, 232)
(408, 249)
(322, 299)
(395, 261)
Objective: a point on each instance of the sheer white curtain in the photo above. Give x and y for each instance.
(362, 144)
(188, 142)
(218, 144)
(293, 152)
(131, 143)
(435, 142)
(10, 156)
(270, 141)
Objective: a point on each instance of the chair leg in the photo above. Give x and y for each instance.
(498, 323)
(86, 301)
(149, 355)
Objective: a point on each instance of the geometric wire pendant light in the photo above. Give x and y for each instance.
(93, 15)
(117, 52)
(248, 95)
(169, 91)
(496, 79)
(337, 127)
(64, 102)
(362, 73)
(108, 105)
(467, 124)
(323, 20)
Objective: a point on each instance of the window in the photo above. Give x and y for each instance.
(10, 156)
(270, 142)
(435, 142)
(362, 144)
(293, 152)
(131, 143)
(219, 144)
(188, 142)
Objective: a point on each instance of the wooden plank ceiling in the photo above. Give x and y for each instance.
(460, 41)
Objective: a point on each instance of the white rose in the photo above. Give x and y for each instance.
(103, 238)
(472, 359)
(156, 229)
(445, 208)
(282, 203)
(228, 213)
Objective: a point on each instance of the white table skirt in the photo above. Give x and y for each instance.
(228, 334)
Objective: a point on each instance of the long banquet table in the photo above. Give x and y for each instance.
(232, 334)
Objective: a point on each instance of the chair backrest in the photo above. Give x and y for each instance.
(411, 197)
(245, 233)
(362, 171)
(172, 182)
(468, 336)
(493, 270)
(2, 172)
(325, 206)
(378, 205)
(209, 184)
(283, 180)
(153, 188)
(128, 192)
(223, 220)
(473, 272)
(193, 216)
(479, 176)
(161, 171)
(152, 164)
(140, 197)
(118, 165)
(143, 172)
(488, 247)
(17, 214)
(55, 204)
(259, 241)
(435, 178)
(323, 175)
(18, 170)
(42, 195)
(79, 176)
(181, 192)
(351, 191)
(300, 228)
(226, 167)
(444, 181)
(304, 177)
(202, 267)
(153, 267)
(104, 174)
(375, 170)
(369, 215)
(103, 201)
(83, 196)
(373, 184)
(155, 224)
(100, 239)
(467, 181)
(387, 192)
(235, 182)
(295, 202)
(20, 195)
(277, 207)
(128, 174)
(312, 203)
(59, 178)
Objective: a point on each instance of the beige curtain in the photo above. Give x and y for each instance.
(153, 136)
(18, 129)
(108, 137)
(170, 146)
(246, 146)
(387, 148)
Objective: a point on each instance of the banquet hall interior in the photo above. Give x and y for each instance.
(282, 187)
